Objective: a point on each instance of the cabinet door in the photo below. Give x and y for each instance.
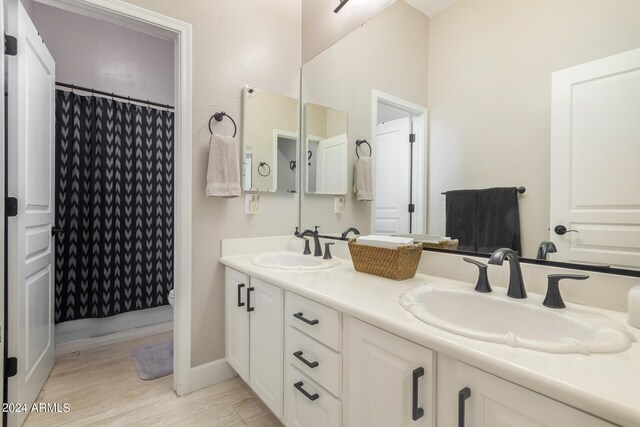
(237, 322)
(266, 324)
(389, 381)
(493, 401)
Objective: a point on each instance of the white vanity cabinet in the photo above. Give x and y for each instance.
(484, 400)
(254, 335)
(314, 366)
(389, 381)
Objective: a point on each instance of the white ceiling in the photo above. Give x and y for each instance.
(431, 7)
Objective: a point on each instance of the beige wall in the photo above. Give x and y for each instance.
(490, 65)
(96, 54)
(235, 43)
(321, 27)
(388, 53)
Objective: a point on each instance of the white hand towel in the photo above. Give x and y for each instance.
(363, 179)
(223, 172)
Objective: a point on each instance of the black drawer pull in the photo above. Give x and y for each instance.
(463, 395)
(249, 308)
(298, 355)
(300, 316)
(304, 392)
(416, 411)
(240, 286)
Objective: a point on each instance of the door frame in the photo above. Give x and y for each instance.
(420, 123)
(152, 23)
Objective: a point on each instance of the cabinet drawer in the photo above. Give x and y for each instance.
(309, 405)
(316, 320)
(320, 363)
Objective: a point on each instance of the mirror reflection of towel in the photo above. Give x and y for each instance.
(363, 179)
(484, 220)
(462, 214)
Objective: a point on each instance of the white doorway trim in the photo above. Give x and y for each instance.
(143, 20)
(420, 120)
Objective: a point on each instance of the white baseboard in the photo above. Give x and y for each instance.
(211, 373)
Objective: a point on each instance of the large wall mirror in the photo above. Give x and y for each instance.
(270, 141)
(489, 128)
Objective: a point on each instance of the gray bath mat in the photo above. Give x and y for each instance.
(154, 361)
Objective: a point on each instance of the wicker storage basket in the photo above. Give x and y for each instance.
(451, 245)
(397, 264)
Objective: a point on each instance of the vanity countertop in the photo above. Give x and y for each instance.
(605, 385)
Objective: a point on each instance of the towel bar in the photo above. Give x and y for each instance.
(520, 191)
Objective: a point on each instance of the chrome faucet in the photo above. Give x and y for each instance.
(316, 241)
(349, 230)
(516, 283)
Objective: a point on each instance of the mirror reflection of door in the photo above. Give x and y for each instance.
(595, 147)
(393, 181)
(326, 148)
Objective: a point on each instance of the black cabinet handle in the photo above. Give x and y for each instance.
(298, 355)
(304, 392)
(300, 316)
(463, 395)
(240, 286)
(416, 411)
(249, 308)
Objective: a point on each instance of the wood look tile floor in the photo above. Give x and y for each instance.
(103, 389)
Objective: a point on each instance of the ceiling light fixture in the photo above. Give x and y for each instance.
(340, 6)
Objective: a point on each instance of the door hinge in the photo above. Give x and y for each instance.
(10, 45)
(412, 138)
(412, 208)
(11, 206)
(10, 367)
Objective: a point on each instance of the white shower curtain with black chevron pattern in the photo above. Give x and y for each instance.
(114, 203)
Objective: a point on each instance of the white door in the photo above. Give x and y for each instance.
(382, 374)
(331, 170)
(237, 322)
(2, 210)
(595, 147)
(265, 302)
(31, 108)
(492, 401)
(393, 162)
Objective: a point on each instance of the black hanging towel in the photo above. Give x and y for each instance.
(461, 218)
(498, 219)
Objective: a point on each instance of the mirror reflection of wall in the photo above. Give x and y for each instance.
(388, 54)
(326, 137)
(270, 136)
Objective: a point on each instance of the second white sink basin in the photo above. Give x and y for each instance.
(518, 323)
(293, 261)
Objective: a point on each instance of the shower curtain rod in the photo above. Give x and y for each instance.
(112, 95)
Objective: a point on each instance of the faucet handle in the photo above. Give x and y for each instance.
(553, 299)
(295, 233)
(316, 229)
(327, 252)
(483, 284)
(307, 249)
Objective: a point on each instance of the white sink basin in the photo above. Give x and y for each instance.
(293, 261)
(518, 323)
